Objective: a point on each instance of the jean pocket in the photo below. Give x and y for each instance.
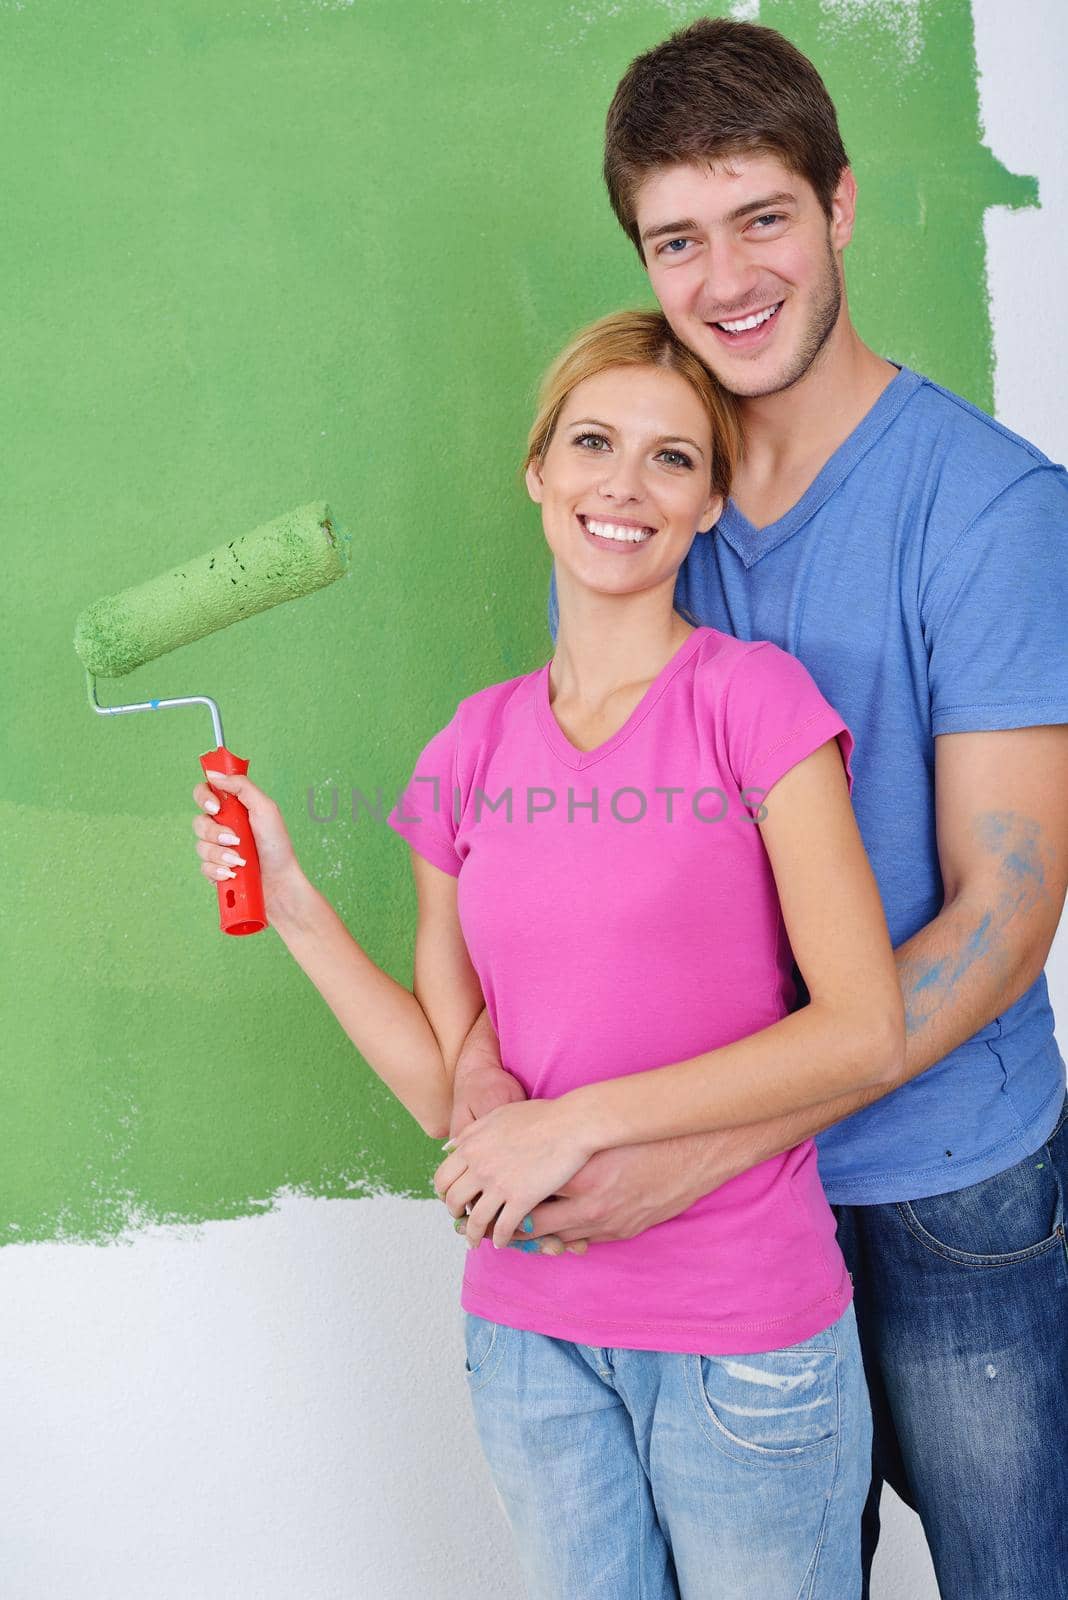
(481, 1341)
(779, 1406)
(1010, 1217)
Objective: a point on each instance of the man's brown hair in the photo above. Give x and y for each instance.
(715, 89)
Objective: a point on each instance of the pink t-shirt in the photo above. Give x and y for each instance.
(621, 913)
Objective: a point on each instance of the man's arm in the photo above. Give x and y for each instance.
(1002, 824)
(1002, 820)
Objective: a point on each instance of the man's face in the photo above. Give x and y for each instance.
(744, 240)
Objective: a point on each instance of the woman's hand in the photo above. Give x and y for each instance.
(219, 854)
(508, 1161)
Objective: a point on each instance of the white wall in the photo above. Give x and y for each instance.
(275, 1408)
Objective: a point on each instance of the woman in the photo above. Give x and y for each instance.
(619, 854)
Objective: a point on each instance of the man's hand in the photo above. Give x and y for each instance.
(502, 1165)
(621, 1192)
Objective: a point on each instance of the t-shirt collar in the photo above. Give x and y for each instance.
(752, 543)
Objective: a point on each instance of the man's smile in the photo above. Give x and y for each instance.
(742, 333)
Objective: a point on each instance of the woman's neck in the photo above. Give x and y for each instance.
(597, 657)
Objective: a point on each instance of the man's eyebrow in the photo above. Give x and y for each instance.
(688, 225)
(782, 198)
(665, 438)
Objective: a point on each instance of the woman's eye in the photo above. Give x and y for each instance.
(680, 459)
(585, 438)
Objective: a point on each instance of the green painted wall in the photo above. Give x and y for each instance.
(258, 254)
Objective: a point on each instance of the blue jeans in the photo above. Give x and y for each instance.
(649, 1475)
(962, 1306)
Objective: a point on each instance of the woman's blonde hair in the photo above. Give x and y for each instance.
(636, 339)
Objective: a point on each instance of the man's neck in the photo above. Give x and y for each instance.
(791, 435)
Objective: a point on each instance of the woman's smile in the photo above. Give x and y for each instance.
(618, 534)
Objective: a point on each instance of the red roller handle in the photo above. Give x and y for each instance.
(241, 907)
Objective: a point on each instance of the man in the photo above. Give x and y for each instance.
(912, 553)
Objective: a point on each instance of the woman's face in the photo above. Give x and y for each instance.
(624, 484)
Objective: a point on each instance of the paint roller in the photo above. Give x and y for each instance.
(297, 553)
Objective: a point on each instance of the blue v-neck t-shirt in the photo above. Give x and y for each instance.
(922, 579)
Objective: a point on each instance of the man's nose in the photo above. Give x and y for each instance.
(730, 277)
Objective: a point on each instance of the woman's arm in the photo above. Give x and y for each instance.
(445, 983)
(852, 1033)
(410, 1039)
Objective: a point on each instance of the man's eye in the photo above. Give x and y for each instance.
(769, 216)
(666, 249)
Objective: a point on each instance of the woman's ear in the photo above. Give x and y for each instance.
(535, 487)
(712, 513)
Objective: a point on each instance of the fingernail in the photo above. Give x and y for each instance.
(527, 1224)
(212, 806)
(233, 859)
(224, 872)
(448, 1144)
(226, 837)
(460, 1224)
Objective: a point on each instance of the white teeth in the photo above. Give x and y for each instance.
(749, 322)
(612, 530)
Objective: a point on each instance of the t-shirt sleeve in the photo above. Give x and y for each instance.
(994, 613)
(425, 810)
(775, 717)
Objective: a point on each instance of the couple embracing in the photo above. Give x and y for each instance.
(763, 865)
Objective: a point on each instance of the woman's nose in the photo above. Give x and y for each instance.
(621, 481)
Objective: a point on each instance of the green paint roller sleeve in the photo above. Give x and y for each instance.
(295, 554)
(282, 560)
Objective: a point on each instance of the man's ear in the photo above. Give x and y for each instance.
(843, 210)
(535, 487)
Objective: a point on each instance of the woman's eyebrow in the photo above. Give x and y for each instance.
(665, 438)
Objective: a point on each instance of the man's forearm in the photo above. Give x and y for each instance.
(729, 1151)
(957, 973)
